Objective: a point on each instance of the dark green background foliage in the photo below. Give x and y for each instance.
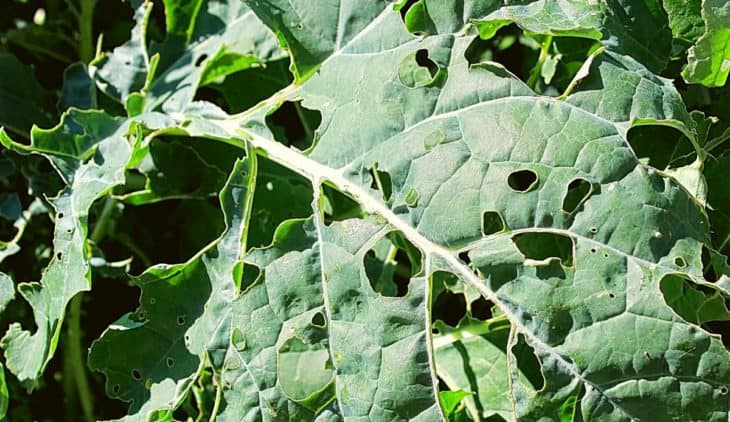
(305, 209)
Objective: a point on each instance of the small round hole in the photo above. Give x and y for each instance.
(181, 320)
(116, 388)
(594, 250)
(136, 374)
(522, 180)
(170, 362)
(593, 230)
(680, 262)
(318, 320)
(612, 296)
(723, 390)
(59, 255)
(60, 215)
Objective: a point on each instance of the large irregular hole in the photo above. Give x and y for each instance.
(380, 181)
(578, 191)
(713, 264)
(492, 223)
(337, 206)
(542, 246)
(697, 304)
(242, 90)
(528, 363)
(246, 275)
(506, 48)
(294, 125)
(447, 306)
(415, 17)
(391, 263)
(661, 146)
(480, 50)
(522, 180)
(176, 224)
(281, 194)
(481, 309)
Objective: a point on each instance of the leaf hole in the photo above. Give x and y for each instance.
(59, 255)
(245, 275)
(380, 181)
(723, 390)
(338, 206)
(59, 215)
(294, 125)
(391, 263)
(660, 146)
(417, 70)
(543, 246)
(697, 304)
(180, 320)
(199, 61)
(170, 362)
(578, 191)
(238, 339)
(116, 389)
(492, 223)
(528, 363)
(448, 306)
(712, 264)
(481, 309)
(404, 7)
(593, 229)
(680, 262)
(424, 61)
(522, 180)
(412, 197)
(478, 51)
(464, 257)
(318, 320)
(594, 250)
(136, 374)
(611, 295)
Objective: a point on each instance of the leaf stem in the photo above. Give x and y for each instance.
(86, 30)
(74, 336)
(76, 358)
(102, 224)
(217, 403)
(537, 69)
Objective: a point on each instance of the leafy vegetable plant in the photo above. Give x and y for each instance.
(416, 210)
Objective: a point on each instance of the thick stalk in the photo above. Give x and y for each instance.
(86, 30)
(74, 358)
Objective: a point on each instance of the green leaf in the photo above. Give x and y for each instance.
(311, 33)
(624, 26)
(206, 41)
(78, 89)
(685, 19)
(90, 151)
(450, 400)
(596, 318)
(707, 60)
(582, 283)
